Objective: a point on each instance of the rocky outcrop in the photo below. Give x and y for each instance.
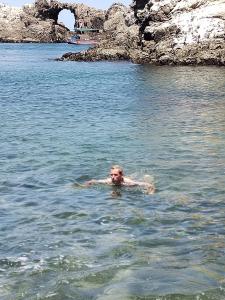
(96, 54)
(39, 22)
(181, 32)
(93, 18)
(167, 31)
(21, 25)
(119, 39)
(119, 27)
(149, 31)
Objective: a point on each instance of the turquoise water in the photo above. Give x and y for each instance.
(67, 122)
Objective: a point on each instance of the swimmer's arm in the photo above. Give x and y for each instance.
(97, 181)
(150, 189)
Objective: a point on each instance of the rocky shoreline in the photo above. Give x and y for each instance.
(165, 32)
(94, 55)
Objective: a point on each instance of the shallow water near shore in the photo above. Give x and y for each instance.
(66, 122)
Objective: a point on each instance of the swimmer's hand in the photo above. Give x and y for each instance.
(90, 182)
(150, 190)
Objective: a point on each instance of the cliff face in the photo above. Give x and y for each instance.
(39, 22)
(181, 32)
(121, 34)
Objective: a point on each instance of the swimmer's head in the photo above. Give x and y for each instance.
(116, 174)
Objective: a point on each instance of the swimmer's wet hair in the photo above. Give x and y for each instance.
(117, 167)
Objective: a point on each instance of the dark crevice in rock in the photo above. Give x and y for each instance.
(139, 4)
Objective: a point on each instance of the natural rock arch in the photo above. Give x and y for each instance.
(38, 22)
(82, 13)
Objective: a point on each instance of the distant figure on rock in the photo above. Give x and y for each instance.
(117, 178)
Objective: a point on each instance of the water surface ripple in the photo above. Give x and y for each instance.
(64, 123)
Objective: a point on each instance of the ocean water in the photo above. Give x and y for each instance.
(66, 122)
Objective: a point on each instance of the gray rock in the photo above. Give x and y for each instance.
(119, 39)
(149, 31)
(96, 54)
(181, 32)
(39, 22)
(167, 31)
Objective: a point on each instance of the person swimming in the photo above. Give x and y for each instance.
(117, 178)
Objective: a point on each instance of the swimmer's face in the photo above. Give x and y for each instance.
(116, 176)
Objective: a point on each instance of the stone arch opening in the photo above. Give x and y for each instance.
(84, 18)
(67, 18)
